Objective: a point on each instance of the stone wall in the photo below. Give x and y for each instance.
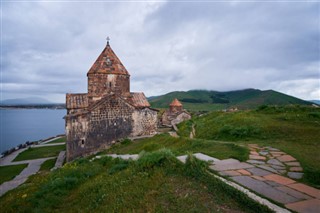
(144, 122)
(109, 121)
(183, 116)
(76, 129)
(100, 84)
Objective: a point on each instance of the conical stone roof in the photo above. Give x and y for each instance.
(108, 63)
(176, 103)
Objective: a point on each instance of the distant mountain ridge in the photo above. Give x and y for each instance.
(315, 101)
(210, 100)
(25, 101)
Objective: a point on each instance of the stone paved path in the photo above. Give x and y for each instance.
(275, 161)
(32, 168)
(259, 174)
(266, 181)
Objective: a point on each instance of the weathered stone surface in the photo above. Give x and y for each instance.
(294, 193)
(230, 166)
(264, 189)
(268, 168)
(243, 172)
(256, 157)
(258, 172)
(279, 179)
(272, 183)
(264, 153)
(313, 192)
(292, 163)
(182, 158)
(256, 162)
(278, 167)
(275, 162)
(286, 158)
(227, 161)
(295, 175)
(207, 158)
(108, 112)
(230, 173)
(254, 153)
(296, 169)
(258, 178)
(307, 206)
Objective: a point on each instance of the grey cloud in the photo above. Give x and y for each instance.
(48, 47)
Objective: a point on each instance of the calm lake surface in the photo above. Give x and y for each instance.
(20, 125)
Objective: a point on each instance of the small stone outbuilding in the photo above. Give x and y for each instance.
(175, 114)
(109, 111)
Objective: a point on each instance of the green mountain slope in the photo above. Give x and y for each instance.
(292, 129)
(213, 100)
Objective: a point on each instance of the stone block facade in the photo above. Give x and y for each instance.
(108, 112)
(175, 114)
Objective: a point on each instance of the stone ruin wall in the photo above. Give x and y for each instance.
(145, 122)
(180, 118)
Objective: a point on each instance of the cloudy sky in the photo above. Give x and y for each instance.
(48, 47)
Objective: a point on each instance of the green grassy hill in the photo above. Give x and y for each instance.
(293, 129)
(157, 182)
(203, 100)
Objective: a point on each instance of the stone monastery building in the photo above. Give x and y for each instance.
(175, 114)
(109, 111)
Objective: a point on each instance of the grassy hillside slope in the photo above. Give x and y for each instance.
(295, 130)
(196, 100)
(157, 182)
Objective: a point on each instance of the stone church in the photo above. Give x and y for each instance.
(175, 114)
(109, 111)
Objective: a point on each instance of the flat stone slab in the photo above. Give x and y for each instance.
(254, 153)
(256, 162)
(271, 183)
(265, 189)
(182, 158)
(231, 166)
(294, 193)
(295, 175)
(293, 163)
(243, 172)
(125, 157)
(313, 192)
(230, 173)
(60, 159)
(268, 168)
(307, 206)
(226, 161)
(204, 157)
(278, 167)
(286, 158)
(258, 172)
(256, 157)
(275, 162)
(279, 179)
(296, 169)
(272, 149)
(263, 153)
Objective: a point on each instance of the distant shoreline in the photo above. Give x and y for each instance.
(31, 106)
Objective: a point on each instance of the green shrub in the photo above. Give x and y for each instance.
(126, 141)
(314, 115)
(149, 160)
(239, 132)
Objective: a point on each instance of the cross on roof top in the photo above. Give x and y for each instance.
(108, 39)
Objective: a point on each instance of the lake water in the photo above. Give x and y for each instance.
(20, 125)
